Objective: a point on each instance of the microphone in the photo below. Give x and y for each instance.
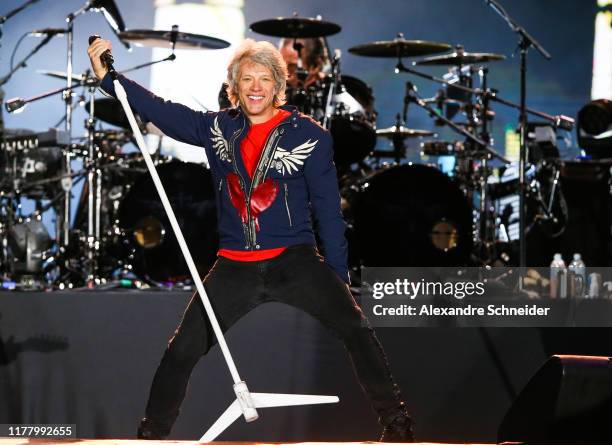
(106, 58)
(14, 105)
(47, 32)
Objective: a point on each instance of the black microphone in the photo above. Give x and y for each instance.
(106, 58)
(47, 32)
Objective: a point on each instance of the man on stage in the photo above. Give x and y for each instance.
(273, 169)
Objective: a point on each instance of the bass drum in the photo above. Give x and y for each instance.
(153, 250)
(409, 215)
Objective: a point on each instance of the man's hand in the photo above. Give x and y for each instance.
(95, 50)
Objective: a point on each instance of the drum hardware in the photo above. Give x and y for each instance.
(397, 133)
(485, 95)
(413, 97)
(525, 42)
(87, 253)
(333, 88)
(558, 121)
(94, 185)
(114, 19)
(459, 87)
(17, 104)
(401, 132)
(443, 148)
(62, 221)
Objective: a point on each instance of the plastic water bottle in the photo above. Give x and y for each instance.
(578, 280)
(558, 277)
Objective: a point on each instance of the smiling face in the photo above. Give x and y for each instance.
(256, 91)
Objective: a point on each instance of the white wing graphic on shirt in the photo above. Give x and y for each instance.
(220, 143)
(289, 161)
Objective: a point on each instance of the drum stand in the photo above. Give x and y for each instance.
(94, 196)
(525, 42)
(486, 95)
(246, 403)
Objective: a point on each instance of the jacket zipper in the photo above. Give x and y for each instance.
(287, 204)
(245, 227)
(251, 224)
(249, 227)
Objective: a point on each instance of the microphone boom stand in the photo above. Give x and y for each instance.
(525, 42)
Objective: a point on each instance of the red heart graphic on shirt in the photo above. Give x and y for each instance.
(262, 197)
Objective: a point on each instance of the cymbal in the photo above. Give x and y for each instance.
(460, 58)
(62, 75)
(164, 39)
(295, 27)
(399, 47)
(402, 132)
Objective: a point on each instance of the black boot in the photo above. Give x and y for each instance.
(397, 426)
(148, 430)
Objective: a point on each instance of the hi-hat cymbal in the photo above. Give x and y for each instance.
(80, 78)
(61, 75)
(460, 58)
(295, 27)
(399, 47)
(165, 39)
(395, 131)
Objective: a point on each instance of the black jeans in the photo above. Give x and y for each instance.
(297, 277)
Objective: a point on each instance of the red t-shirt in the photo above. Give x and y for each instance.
(250, 150)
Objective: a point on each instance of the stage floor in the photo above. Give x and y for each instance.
(13, 441)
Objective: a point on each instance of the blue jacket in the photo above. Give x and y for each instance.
(295, 177)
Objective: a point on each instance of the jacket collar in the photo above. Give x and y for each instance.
(238, 113)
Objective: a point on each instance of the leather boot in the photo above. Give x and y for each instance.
(397, 426)
(148, 430)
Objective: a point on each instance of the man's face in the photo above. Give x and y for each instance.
(256, 91)
(290, 56)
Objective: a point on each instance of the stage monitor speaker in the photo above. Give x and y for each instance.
(568, 401)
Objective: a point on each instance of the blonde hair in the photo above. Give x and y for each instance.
(262, 53)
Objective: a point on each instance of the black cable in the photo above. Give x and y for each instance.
(17, 46)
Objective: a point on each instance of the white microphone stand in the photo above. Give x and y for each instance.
(246, 403)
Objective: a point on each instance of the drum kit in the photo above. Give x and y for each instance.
(398, 213)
